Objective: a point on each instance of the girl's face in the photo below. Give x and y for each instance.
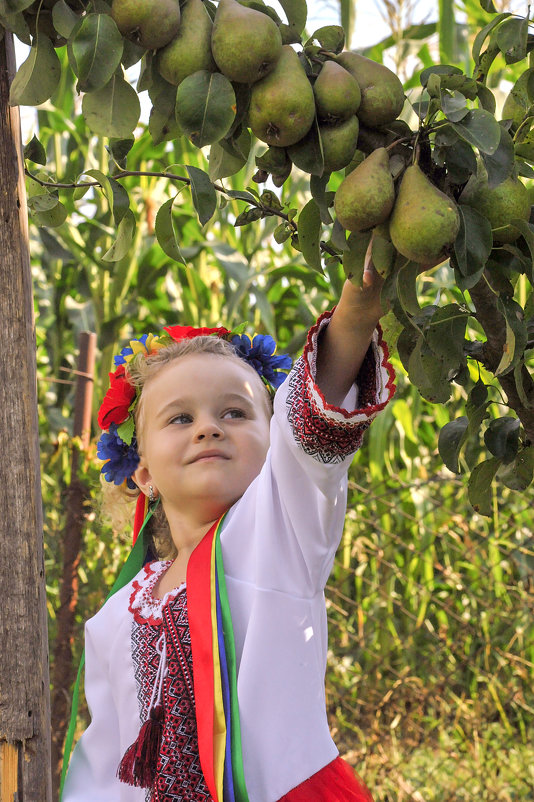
(204, 430)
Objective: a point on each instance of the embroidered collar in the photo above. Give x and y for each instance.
(145, 607)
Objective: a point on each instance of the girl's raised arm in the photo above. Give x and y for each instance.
(344, 343)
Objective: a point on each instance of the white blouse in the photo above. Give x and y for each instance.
(278, 542)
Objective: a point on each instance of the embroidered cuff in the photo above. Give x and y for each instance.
(326, 432)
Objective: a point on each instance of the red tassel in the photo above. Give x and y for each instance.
(139, 764)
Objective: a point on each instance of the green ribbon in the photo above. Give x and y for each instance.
(131, 568)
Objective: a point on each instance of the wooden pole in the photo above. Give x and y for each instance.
(24, 684)
(63, 670)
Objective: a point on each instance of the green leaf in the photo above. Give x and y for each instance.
(407, 287)
(445, 335)
(476, 407)
(488, 5)
(502, 438)
(126, 430)
(34, 151)
(474, 242)
(486, 98)
(53, 217)
(37, 78)
(205, 107)
(321, 197)
(516, 333)
(354, 252)
(203, 194)
(500, 164)
(428, 374)
(116, 195)
(450, 441)
(511, 37)
(479, 485)
(123, 241)
(518, 475)
(64, 18)
(296, 12)
(481, 129)
(483, 34)
(223, 164)
(438, 69)
(166, 233)
(383, 253)
(309, 233)
(527, 232)
(453, 105)
(460, 161)
(330, 37)
(112, 111)
(97, 50)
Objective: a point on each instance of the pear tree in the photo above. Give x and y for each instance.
(436, 179)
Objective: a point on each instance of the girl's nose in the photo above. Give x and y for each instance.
(208, 428)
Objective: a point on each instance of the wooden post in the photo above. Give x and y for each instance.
(63, 670)
(24, 684)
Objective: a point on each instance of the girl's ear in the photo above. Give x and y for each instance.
(142, 477)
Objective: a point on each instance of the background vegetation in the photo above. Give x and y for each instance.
(432, 637)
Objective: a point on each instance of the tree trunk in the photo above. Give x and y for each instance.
(24, 684)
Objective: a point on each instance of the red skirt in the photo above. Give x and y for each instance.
(337, 782)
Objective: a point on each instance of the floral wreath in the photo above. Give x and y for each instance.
(117, 446)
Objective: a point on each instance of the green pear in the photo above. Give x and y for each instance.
(190, 50)
(366, 196)
(507, 201)
(337, 94)
(425, 221)
(282, 107)
(382, 92)
(245, 43)
(339, 143)
(148, 23)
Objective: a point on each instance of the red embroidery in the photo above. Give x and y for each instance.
(329, 433)
(179, 776)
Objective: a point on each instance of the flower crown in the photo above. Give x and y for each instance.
(118, 443)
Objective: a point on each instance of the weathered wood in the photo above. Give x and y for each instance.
(64, 672)
(24, 689)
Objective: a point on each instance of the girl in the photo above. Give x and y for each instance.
(205, 673)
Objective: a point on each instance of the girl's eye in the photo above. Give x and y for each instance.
(183, 417)
(234, 413)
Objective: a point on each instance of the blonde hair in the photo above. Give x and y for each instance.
(117, 505)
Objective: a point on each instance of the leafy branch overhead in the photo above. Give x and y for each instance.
(440, 176)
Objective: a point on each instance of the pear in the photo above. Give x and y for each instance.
(366, 196)
(282, 107)
(245, 43)
(337, 94)
(339, 143)
(425, 221)
(190, 50)
(507, 201)
(148, 23)
(382, 92)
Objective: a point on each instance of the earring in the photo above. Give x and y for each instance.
(151, 496)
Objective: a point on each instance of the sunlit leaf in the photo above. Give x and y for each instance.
(37, 77)
(166, 232)
(309, 233)
(203, 193)
(123, 239)
(479, 485)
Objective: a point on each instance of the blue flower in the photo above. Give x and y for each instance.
(260, 353)
(121, 459)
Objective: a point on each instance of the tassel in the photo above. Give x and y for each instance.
(139, 764)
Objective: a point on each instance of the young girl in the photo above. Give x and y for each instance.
(205, 673)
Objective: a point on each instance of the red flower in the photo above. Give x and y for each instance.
(188, 332)
(114, 407)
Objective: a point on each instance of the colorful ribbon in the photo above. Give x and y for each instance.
(214, 671)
